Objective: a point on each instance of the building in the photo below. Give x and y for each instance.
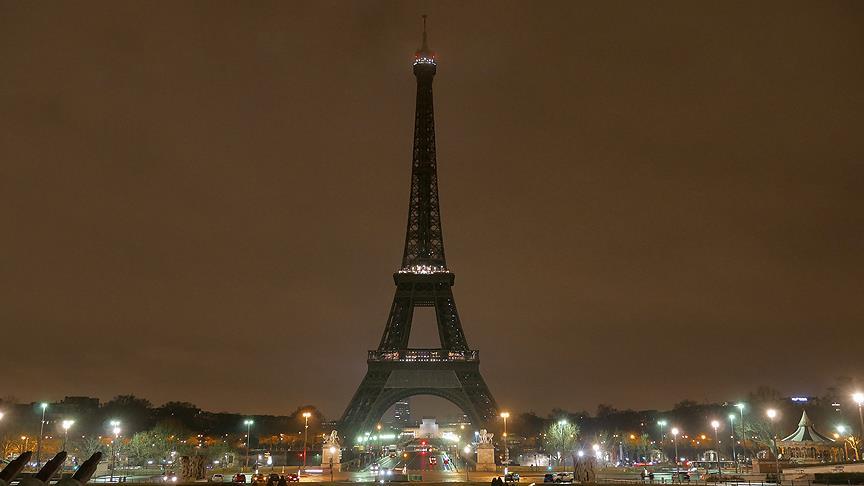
(402, 413)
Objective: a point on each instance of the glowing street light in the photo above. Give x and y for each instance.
(115, 424)
(43, 406)
(67, 424)
(772, 414)
(306, 416)
(675, 440)
(859, 399)
(248, 423)
(734, 452)
(716, 425)
(505, 416)
(661, 423)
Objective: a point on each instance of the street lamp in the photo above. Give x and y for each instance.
(743, 434)
(841, 429)
(772, 414)
(66, 425)
(306, 416)
(44, 406)
(248, 423)
(561, 424)
(378, 440)
(467, 451)
(505, 415)
(734, 452)
(675, 440)
(115, 424)
(661, 423)
(859, 399)
(716, 425)
(332, 452)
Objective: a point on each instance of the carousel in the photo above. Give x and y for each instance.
(806, 445)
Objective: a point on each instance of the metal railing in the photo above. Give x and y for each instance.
(424, 355)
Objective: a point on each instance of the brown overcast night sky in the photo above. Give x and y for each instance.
(642, 201)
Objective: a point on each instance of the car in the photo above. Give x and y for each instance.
(511, 477)
(392, 455)
(375, 467)
(239, 478)
(564, 477)
(273, 478)
(258, 478)
(169, 477)
(292, 478)
(217, 478)
(433, 461)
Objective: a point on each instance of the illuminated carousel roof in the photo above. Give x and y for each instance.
(807, 433)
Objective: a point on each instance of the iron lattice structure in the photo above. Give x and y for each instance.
(396, 372)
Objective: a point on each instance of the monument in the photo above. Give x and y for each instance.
(396, 372)
(485, 452)
(331, 453)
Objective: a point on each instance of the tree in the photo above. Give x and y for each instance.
(87, 446)
(760, 433)
(134, 413)
(561, 436)
(683, 404)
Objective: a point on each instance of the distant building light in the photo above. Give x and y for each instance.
(799, 399)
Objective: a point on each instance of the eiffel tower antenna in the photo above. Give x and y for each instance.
(425, 46)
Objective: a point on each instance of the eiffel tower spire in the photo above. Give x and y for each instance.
(424, 241)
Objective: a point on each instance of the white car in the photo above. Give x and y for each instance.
(564, 477)
(217, 478)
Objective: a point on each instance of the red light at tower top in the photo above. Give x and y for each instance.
(424, 55)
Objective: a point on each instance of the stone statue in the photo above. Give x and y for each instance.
(485, 437)
(333, 440)
(43, 477)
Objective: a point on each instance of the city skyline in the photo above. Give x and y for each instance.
(642, 206)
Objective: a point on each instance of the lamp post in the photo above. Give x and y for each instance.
(66, 425)
(661, 423)
(332, 451)
(467, 451)
(734, 452)
(306, 416)
(24, 438)
(716, 425)
(248, 423)
(675, 441)
(772, 414)
(743, 434)
(505, 415)
(859, 399)
(115, 424)
(44, 406)
(840, 431)
(561, 424)
(378, 439)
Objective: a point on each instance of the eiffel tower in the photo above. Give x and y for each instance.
(395, 371)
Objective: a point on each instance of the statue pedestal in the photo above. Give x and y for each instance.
(486, 458)
(331, 456)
